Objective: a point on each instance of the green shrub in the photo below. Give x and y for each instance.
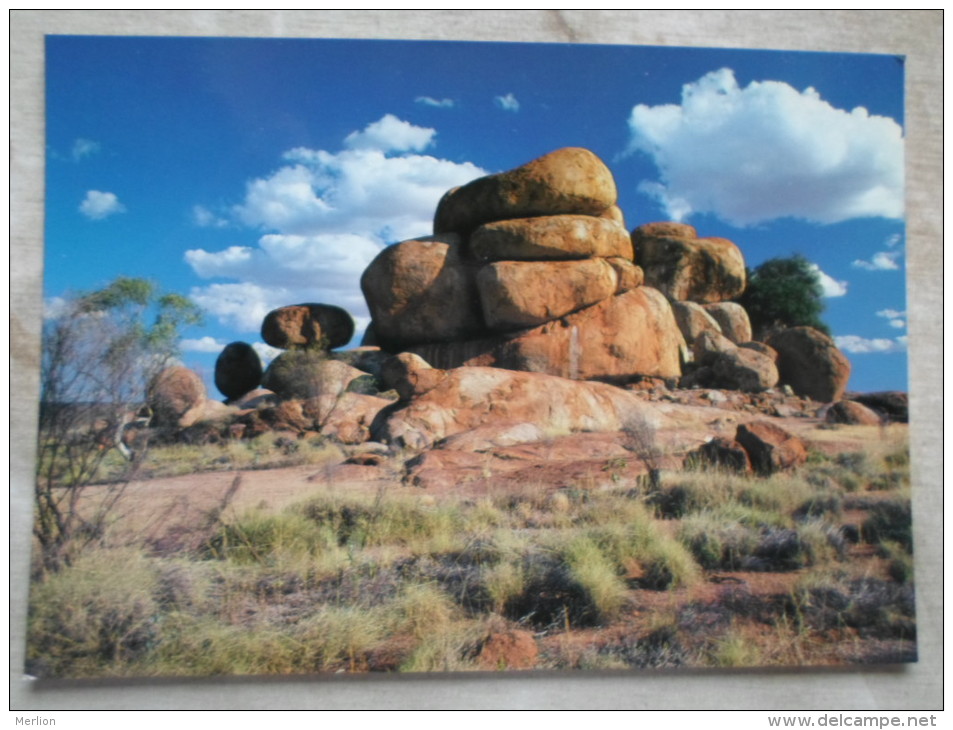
(93, 618)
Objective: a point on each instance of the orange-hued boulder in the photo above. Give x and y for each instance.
(550, 237)
(687, 268)
(306, 325)
(809, 361)
(619, 339)
(465, 398)
(520, 294)
(770, 447)
(422, 290)
(174, 392)
(571, 180)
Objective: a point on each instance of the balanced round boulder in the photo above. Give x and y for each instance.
(571, 180)
(809, 361)
(174, 392)
(422, 290)
(307, 325)
(687, 268)
(237, 370)
(550, 237)
(521, 294)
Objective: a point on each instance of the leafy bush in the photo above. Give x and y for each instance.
(784, 292)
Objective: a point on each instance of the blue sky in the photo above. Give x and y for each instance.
(254, 173)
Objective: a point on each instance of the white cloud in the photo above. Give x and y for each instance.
(202, 344)
(205, 218)
(857, 345)
(326, 215)
(390, 134)
(830, 287)
(880, 261)
(98, 205)
(83, 148)
(509, 103)
(768, 151)
(894, 318)
(439, 103)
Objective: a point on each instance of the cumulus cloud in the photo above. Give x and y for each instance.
(202, 344)
(390, 134)
(830, 287)
(325, 216)
(857, 345)
(98, 205)
(768, 151)
(83, 148)
(438, 103)
(508, 103)
(205, 218)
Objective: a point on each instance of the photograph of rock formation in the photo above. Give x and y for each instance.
(374, 356)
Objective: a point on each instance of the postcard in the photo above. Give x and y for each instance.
(366, 356)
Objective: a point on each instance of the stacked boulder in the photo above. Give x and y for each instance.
(700, 276)
(530, 269)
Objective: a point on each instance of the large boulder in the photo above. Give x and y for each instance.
(550, 237)
(892, 405)
(621, 338)
(571, 181)
(733, 320)
(809, 361)
(521, 294)
(422, 290)
(346, 417)
(852, 413)
(687, 268)
(237, 370)
(743, 369)
(174, 392)
(770, 447)
(465, 398)
(307, 325)
(304, 374)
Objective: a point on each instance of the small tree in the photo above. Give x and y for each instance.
(784, 292)
(100, 351)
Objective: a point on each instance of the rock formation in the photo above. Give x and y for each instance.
(529, 269)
